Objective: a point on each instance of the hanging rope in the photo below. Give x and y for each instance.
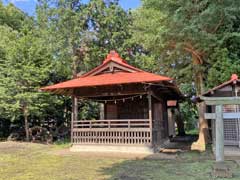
(115, 100)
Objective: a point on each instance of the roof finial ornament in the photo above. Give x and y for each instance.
(234, 77)
(114, 56)
(113, 53)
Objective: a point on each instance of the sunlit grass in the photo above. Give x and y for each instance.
(26, 161)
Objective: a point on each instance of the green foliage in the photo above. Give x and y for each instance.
(189, 114)
(109, 25)
(89, 110)
(188, 109)
(11, 16)
(195, 42)
(223, 67)
(79, 36)
(25, 65)
(182, 39)
(25, 68)
(65, 37)
(174, 31)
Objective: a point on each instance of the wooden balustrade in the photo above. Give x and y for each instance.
(129, 131)
(115, 123)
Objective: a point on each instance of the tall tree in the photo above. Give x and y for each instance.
(11, 16)
(73, 27)
(184, 35)
(67, 24)
(109, 23)
(80, 35)
(23, 71)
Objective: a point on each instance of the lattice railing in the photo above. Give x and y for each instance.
(129, 132)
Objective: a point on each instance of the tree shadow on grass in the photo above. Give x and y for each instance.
(189, 166)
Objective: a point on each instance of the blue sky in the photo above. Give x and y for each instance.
(28, 6)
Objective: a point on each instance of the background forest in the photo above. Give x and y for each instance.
(195, 42)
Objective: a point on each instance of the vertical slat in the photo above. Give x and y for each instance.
(128, 132)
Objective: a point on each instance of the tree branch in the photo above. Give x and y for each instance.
(189, 48)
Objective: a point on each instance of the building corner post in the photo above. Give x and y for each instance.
(150, 116)
(74, 115)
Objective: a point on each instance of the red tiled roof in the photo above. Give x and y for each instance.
(92, 78)
(109, 79)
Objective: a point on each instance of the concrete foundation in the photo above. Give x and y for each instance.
(221, 170)
(112, 148)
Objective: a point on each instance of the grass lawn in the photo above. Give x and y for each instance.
(26, 161)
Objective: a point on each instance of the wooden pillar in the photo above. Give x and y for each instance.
(74, 114)
(171, 123)
(150, 115)
(102, 110)
(219, 134)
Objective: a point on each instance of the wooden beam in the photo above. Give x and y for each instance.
(116, 90)
(220, 100)
(210, 116)
(225, 115)
(109, 65)
(235, 115)
(155, 96)
(219, 152)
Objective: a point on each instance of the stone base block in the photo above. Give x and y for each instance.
(221, 170)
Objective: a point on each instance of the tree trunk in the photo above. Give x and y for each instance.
(25, 114)
(180, 123)
(65, 111)
(77, 57)
(203, 138)
(74, 98)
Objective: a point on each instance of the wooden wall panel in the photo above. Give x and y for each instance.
(130, 109)
(111, 111)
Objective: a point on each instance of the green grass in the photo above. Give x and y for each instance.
(193, 132)
(26, 161)
(63, 143)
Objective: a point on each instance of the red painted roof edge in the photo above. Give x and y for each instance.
(234, 78)
(53, 86)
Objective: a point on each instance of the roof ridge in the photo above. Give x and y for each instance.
(113, 56)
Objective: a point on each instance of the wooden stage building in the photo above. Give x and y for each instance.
(135, 107)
